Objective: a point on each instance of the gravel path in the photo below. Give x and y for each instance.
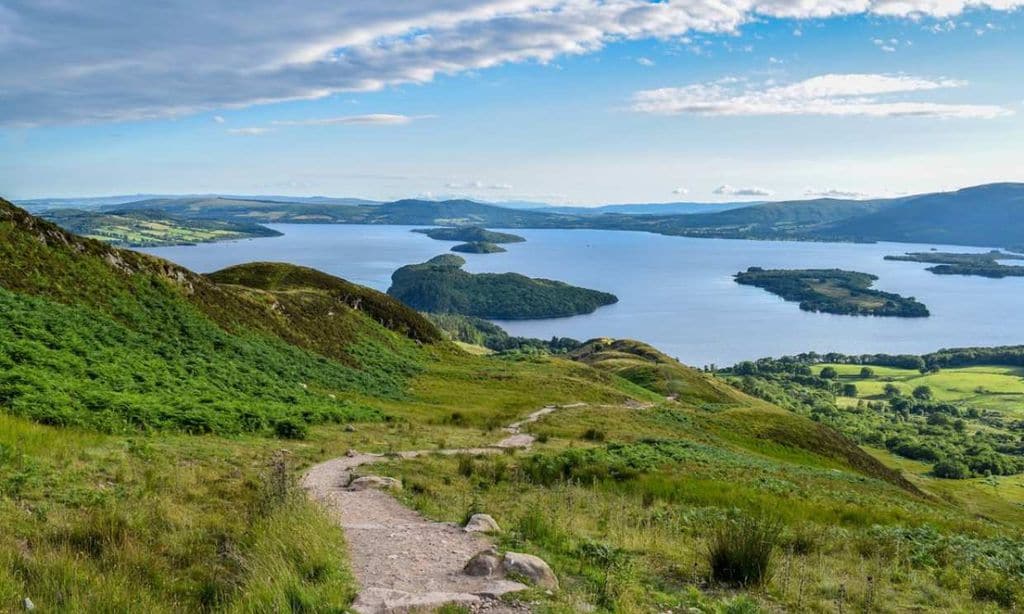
(402, 561)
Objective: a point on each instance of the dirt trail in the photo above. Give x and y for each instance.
(402, 561)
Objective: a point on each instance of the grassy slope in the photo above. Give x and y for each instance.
(167, 521)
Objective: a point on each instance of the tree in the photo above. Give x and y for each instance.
(867, 373)
(923, 393)
(850, 390)
(829, 373)
(892, 391)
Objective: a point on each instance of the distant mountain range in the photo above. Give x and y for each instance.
(989, 215)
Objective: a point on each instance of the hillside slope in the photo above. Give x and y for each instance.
(989, 215)
(152, 421)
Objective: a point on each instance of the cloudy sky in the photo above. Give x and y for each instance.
(568, 101)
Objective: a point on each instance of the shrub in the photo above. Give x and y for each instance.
(593, 434)
(995, 588)
(829, 373)
(290, 428)
(951, 470)
(742, 551)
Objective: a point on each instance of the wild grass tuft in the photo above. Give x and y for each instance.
(742, 551)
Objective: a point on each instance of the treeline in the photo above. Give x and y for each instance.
(1010, 355)
(959, 441)
(480, 332)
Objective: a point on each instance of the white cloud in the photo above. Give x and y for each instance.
(248, 131)
(478, 185)
(645, 61)
(218, 119)
(376, 119)
(834, 193)
(95, 60)
(836, 94)
(728, 190)
(680, 191)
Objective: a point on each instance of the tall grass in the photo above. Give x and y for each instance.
(742, 551)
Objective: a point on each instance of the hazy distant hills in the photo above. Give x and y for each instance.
(989, 215)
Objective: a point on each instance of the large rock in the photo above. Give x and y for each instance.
(482, 523)
(530, 567)
(375, 482)
(483, 565)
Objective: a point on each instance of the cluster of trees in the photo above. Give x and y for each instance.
(470, 234)
(1011, 355)
(983, 264)
(815, 290)
(959, 441)
(441, 286)
(481, 332)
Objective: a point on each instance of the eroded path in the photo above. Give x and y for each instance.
(403, 561)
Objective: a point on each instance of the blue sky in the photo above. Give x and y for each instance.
(578, 101)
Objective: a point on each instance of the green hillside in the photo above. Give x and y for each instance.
(153, 421)
(987, 215)
(152, 228)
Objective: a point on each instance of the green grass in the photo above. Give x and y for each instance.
(995, 387)
(628, 524)
(164, 490)
(158, 524)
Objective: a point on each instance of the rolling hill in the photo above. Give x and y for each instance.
(153, 422)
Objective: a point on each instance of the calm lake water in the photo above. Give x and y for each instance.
(676, 293)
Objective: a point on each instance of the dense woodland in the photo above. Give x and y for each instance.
(441, 286)
(470, 234)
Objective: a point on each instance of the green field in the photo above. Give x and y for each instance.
(999, 388)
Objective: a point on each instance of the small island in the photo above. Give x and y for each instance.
(469, 234)
(982, 265)
(441, 286)
(833, 291)
(478, 247)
